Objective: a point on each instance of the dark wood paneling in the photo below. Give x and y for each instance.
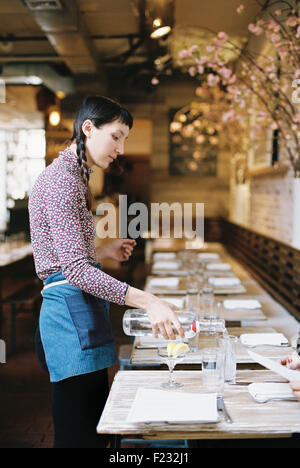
(275, 265)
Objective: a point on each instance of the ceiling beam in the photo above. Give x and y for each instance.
(67, 33)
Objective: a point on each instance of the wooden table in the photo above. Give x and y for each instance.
(183, 286)
(149, 356)
(250, 419)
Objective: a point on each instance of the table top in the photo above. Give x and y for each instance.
(183, 285)
(250, 418)
(143, 354)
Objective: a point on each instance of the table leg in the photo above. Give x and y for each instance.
(116, 441)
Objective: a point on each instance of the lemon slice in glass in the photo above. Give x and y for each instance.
(180, 348)
(170, 348)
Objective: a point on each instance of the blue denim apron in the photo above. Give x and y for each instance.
(75, 330)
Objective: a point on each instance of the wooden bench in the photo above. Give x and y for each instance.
(275, 265)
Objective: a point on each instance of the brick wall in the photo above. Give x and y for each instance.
(271, 205)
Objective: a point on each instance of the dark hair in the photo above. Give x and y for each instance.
(99, 110)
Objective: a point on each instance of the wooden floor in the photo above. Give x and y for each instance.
(25, 400)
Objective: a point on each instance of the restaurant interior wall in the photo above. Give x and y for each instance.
(213, 191)
(263, 201)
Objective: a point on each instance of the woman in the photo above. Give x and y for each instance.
(75, 329)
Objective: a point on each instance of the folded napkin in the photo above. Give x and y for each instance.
(218, 266)
(260, 339)
(241, 304)
(265, 391)
(163, 265)
(164, 255)
(152, 405)
(208, 256)
(224, 281)
(164, 282)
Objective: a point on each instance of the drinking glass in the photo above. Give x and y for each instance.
(213, 370)
(192, 303)
(228, 343)
(171, 362)
(211, 325)
(208, 300)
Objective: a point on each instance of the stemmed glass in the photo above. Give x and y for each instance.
(171, 362)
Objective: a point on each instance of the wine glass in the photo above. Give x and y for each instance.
(171, 362)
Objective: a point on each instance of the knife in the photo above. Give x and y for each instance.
(221, 407)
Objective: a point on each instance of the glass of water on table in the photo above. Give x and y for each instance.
(228, 345)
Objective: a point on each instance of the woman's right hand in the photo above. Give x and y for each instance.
(291, 361)
(162, 315)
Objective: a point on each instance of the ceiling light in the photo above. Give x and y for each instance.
(54, 116)
(160, 32)
(157, 22)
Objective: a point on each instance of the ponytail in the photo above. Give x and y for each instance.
(82, 161)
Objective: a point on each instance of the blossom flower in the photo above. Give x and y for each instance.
(184, 54)
(225, 72)
(275, 38)
(193, 48)
(240, 9)
(228, 115)
(154, 81)
(223, 36)
(212, 79)
(257, 30)
(210, 48)
(292, 21)
(192, 71)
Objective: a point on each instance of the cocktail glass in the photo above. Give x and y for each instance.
(171, 362)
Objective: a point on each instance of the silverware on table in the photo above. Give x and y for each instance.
(221, 407)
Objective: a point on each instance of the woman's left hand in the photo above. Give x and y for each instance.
(119, 250)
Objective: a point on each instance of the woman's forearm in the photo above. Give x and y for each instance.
(161, 314)
(138, 298)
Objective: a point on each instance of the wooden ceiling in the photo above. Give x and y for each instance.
(107, 40)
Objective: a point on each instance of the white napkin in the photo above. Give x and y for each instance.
(208, 256)
(218, 266)
(224, 281)
(260, 339)
(268, 390)
(242, 304)
(163, 265)
(164, 256)
(151, 405)
(164, 283)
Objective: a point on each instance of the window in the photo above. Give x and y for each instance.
(22, 154)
